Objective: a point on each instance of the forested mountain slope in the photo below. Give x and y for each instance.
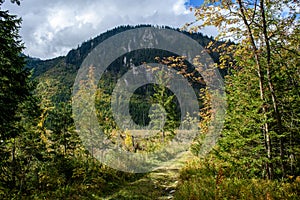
(63, 69)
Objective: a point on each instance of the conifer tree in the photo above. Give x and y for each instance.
(264, 72)
(18, 108)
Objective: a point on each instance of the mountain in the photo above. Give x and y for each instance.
(56, 76)
(59, 73)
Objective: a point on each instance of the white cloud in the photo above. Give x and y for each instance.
(52, 28)
(180, 8)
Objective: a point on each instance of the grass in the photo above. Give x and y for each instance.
(159, 184)
(200, 181)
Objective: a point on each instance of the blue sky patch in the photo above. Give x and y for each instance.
(194, 3)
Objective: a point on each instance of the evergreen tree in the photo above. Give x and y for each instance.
(263, 77)
(14, 78)
(63, 135)
(164, 116)
(19, 139)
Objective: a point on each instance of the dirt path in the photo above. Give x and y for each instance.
(159, 184)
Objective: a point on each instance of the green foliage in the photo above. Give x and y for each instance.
(63, 136)
(14, 81)
(41, 156)
(167, 104)
(16, 104)
(209, 179)
(262, 115)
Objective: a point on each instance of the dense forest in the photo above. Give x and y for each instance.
(257, 155)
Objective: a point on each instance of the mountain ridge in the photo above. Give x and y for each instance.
(58, 74)
(76, 55)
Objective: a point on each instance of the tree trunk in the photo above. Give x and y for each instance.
(268, 144)
(271, 87)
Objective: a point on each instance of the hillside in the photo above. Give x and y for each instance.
(63, 69)
(56, 76)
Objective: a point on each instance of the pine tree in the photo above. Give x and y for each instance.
(164, 116)
(14, 78)
(19, 141)
(263, 76)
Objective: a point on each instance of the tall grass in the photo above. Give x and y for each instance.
(207, 180)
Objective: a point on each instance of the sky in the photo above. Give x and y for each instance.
(51, 28)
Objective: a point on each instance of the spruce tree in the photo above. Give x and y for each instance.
(14, 78)
(262, 125)
(16, 105)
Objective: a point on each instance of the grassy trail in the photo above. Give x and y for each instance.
(159, 184)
